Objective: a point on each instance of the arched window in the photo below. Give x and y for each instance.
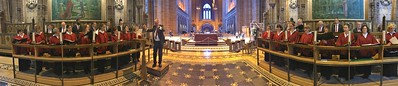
(206, 11)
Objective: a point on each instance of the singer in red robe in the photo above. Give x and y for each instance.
(390, 69)
(365, 38)
(306, 38)
(278, 37)
(69, 38)
(293, 37)
(56, 52)
(134, 35)
(266, 44)
(342, 40)
(40, 39)
(22, 38)
(327, 39)
(102, 37)
(85, 52)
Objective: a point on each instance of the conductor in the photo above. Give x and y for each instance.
(158, 41)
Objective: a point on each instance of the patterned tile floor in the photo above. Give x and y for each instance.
(223, 74)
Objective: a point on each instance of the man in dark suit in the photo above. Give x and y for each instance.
(158, 40)
(63, 27)
(121, 26)
(300, 25)
(357, 29)
(321, 27)
(77, 27)
(337, 27)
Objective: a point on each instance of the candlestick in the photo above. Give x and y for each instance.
(60, 38)
(384, 37)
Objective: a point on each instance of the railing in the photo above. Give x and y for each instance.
(91, 58)
(290, 57)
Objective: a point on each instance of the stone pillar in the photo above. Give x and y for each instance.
(292, 12)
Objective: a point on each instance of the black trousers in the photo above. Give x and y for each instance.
(39, 64)
(157, 52)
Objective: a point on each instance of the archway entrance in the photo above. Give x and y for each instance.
(207, 28)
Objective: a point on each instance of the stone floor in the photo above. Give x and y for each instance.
(186, 69)
(212, 74)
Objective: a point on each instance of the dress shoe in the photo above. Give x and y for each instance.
(154, 65)
(160, 65)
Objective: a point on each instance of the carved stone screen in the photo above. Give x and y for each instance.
(343, 9)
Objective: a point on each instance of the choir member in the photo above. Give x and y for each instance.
(121, 26)
(278, 37)
(101, 37)
(390, 69)
(56, 40)
(337, 27)
(342, 40)
(321, 28)
(135, 35)
(300, 25)
(266, 35)
(40, 39)
(109, 27)
(292, 37)
(77, 27)
(117, 37)
(357, 29)
(63, 27)
(22, 38)
(307, 38)
(69, 38)
(85, 52)
(326, 39)
(364, 39)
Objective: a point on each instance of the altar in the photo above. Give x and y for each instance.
(206, 39)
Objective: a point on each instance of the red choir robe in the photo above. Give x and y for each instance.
(133, 35)
(278, 37)
(342, 40)
(369, 39)
(21, 39)
(83, 39)
(40, 39)
(307, 38)
(69, 37)
(102, 37)
(389, 36)
(265, 35)
(54, 40)
(293, 36)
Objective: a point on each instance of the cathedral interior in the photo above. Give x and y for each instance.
(198, 42)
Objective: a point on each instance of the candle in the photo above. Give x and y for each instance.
(269, 34)
(349, 36)
(60, 38)
(118, 36)
(33, 37)
(315, 35)
(384, 37)
(45, 29)
(286, 35)
(93, 36)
